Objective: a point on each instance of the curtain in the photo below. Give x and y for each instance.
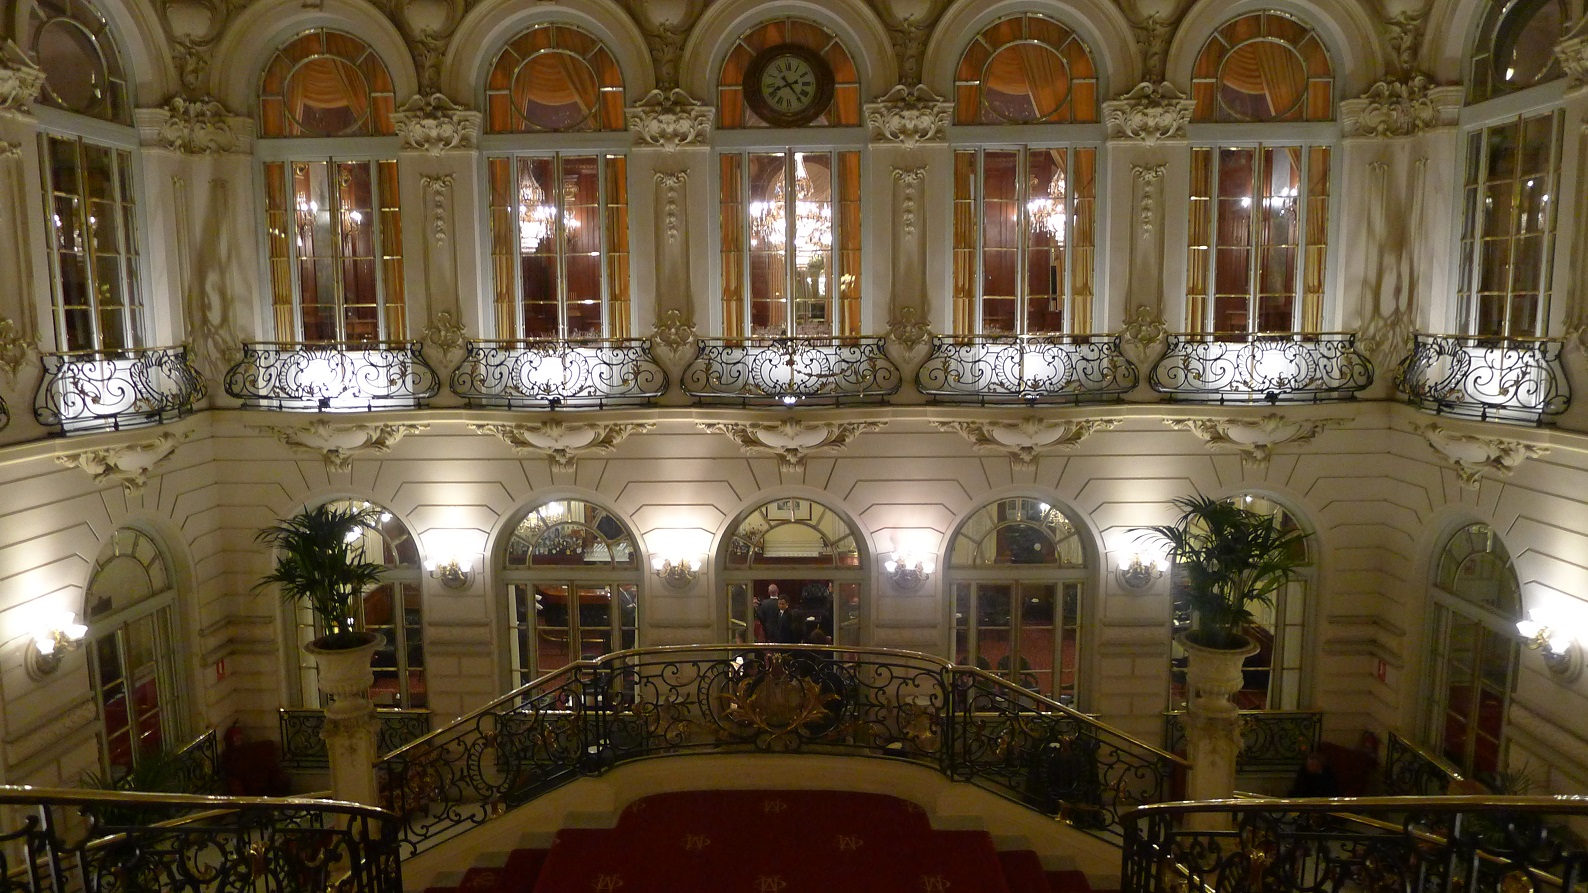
(553, 79)
(1268, 69)
(1032, 70)
(326, 83)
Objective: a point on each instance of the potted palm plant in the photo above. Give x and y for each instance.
(1229, 559)
(319, 563)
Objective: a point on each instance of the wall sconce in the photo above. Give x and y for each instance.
(1140, 572)
(51, 642)
(1562, 656)
(909, 569)
(676, 573)
(454, 572)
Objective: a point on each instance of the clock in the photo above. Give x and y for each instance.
(788, 85)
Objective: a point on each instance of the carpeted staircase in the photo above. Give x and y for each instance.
(770, 842)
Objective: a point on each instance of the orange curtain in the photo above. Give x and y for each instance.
(1267, 69)
(1030, 70)
(550, 79)
(326, 83)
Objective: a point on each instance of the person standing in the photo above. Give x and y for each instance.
(770, 615)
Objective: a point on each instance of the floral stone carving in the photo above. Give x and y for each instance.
(908, 115)
(1396, 107)
(197, 127)
(433, 124)
(338, 444)
(20, 80)
(1255, 438)
(669, 120)
(1149, 113)
(791, 441)
(128, 463)
(1026, 440)
(563, 442)
(1475, 455)
(673, 332)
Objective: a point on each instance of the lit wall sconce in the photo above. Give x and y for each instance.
(675, 572)
(454, 572)
(909, 569)
(1561, 653)
(51, 642)
(1140, 572)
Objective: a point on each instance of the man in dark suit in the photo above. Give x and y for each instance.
(770, 615)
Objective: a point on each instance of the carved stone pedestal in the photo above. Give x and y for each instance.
(349, 733)
(1212, 725)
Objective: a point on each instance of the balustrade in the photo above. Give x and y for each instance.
(1494, 379)
(302, 746)
(1271, 740)
(108, 390)
(1410, 770)
(332, 376)
(791, 371)
(559, 374)
(1029, 369)
(1263, 368)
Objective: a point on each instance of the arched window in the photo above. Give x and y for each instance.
(1513, 170)
(1272, 678)
(334, 231)
(803, 553)
(1018, 572)
(90, 182)
(393, 608)
(733, 111)
(130, 611)
(1476, 603)
(573, 580)
(1024, 216)
(559, 220)
(1259, 211)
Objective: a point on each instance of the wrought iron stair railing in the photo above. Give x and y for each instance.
(594, 715)
(1271, 740)
(1494, 379)
(303, 747)
(60, 840)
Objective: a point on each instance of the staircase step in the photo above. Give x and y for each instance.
(1070, 882)
(1023, 871)
(522, 870)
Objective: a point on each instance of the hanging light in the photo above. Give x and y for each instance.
(537, 220)
(813, 220)
(1047, 211)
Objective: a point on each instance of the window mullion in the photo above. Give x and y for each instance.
(978, 193)
(377, 250)
(333, 199)
(1298, 306)
(790, 243)
(1022, 243)
(1514, 230)
(1254, 243)
(603, 244)
(560, 242)
(88, 245)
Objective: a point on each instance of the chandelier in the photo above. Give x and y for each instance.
(537, 220)
(813, 220)
(1047, 212)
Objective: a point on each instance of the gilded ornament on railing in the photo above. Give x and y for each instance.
(1488, 378)
(1029, 369)
(89, 391)
(775, 706)
(791, 371)
(559, 374)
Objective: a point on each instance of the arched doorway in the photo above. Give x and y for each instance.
(804, 553)
(573, 576)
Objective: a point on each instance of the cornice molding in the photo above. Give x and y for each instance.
(339, 443)
(563, 442)
(791, 441)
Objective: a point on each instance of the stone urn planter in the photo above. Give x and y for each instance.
(345, 674)
(1214, 674)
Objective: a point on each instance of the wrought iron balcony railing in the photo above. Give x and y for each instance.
(1271, 740)
(593, 715)
(1029, 369)
(302, 746)
(791, 372)
(1495, 379)
(1264, 368)
(65, 840)
(1410, 770)
(331, 376)
(1421, 844)
(107, 390)
(559, 374)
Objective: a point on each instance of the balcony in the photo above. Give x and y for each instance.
(330, 376)
(1519, 380)
(1262, 368)
(791, 372)
(1028, 369)
(90, 391)
(559, 374)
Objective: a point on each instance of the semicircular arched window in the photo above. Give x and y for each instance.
(325, 83)
(74, 46)
(734, 112)
(130, 611)
(1018, 574)
(803, 554)
(573, 572)
(1026, 70)
(554, 78)
(1476, 601)
(1515, 48)
(1263, 67)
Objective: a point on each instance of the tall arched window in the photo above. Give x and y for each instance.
(392, 608)
(1513, 169)
(559, 220)
(130, 611)
(333, 228)
(1476, 602)
(1259, 211)
(803, 553)
(90, 181)
(1018, 572)
(1273, 677)
(1024, 216)
(790, 217)
(573, 579)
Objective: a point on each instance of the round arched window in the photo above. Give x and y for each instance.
(82, 70)
(1515, 48)
(554, 78)
(793, 575)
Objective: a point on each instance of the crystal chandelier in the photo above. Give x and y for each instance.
(813, 220)
(1047, 212)
(537, 220)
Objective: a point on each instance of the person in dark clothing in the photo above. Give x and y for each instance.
(1315, 779)
(792, 625)
(770, 615)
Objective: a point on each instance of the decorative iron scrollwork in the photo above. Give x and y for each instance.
(1495, 379)
(108, 390)
(5, 414)
(1411, 771)
(302, 746)
(332, 376)
(1029, 369)
(559, 374)
(1266, 368)
(1271, 740)
(791, 371)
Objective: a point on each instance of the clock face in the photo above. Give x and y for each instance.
(788, 85)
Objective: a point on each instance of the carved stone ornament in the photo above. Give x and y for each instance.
(1149, 113)
(1404, 31)
(20, 80)
(1396, 107)
(1154, 32)
(1149, 176)
(908, 330)
(15, 349)
(1474, 455)
(671, 185)
(128, 463)
(433, 124)
(673, 332)
(1572, 53)
(197, 127)
(1144, 326)
(911, 179)
(563, 442)
(1255, 438)
(437, 187)
(445, 334)
(338, 444)
(669, 120)
(791, 441)
(908, 115)
(1026, 440)
(1386, 339)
